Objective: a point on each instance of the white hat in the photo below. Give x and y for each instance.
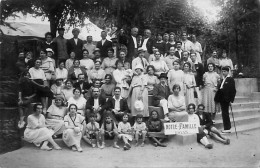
(139, 105)
(49, 50)
(139, 66)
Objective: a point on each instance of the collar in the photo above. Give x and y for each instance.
(120, 97)
(48, 43)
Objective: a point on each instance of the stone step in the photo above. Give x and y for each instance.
(241, 113)
(240, 121)
(242, 99)
(245, 105)
(245, 128)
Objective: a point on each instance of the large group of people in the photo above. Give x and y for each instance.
(103, 91)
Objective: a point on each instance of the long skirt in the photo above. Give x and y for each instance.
(56, 125)
(70, 137)
(134, 97)
(208, 100)
(37, 136)
(189, 96)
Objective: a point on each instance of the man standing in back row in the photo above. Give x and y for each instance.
(104, 44)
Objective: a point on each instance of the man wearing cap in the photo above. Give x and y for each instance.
(161, 93)
(61, 45)
(75, 44)
(140, 60)
(104, 45)
(227, 93)
(90, 47)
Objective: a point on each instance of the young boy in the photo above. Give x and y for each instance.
(109, 131)
(140, 129)
(92, 132)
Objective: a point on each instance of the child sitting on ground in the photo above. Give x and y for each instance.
(93, 132)
(208, 127)
(124, 131)
(201, 136)
(140, 129)
(109, 131)
(155, 127)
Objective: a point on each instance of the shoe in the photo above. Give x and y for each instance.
(93, 145)
(116, 146)
(162, 145)
(57, 148)
(102, 146)
(227, 141)
(98, 145)
(209, 146)
(74, 148)
(142, 144)
(126, 148)
(46, 148)
(226, 131)
(80, 149)
(155, 144)
(128, 145)
(21, 124)
(166, 119)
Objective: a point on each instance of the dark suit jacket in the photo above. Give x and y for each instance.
(53, 46)
(228, 92)
(177, 54)
(71, 74)
(205, 120)
(199, 76)
(71, 45)
(102, 103)
(129, 42)
(159, 92)
(123, 105)
(85, 88)
(103, 48)
(149, 45)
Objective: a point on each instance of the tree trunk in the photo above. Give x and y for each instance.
(53, 26)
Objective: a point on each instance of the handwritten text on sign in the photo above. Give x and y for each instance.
(180, 128)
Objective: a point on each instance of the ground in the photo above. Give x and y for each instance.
(242, 152)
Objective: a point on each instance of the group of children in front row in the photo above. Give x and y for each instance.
(153, 128)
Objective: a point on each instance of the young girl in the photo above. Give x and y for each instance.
(124, 131)
(109, 131)
(93, 132)
(201, 136)
(140, 129)
(155, 127)
(74, 124)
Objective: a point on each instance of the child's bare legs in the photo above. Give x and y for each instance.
(87, 139)
(116, 139)
(98, 139)
(143, 137)
(102, 137)
(44, 104)
(127, 146)
(136, 137)
(45, 146)
(206, 143)
(21, 123)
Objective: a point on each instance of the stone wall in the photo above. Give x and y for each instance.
(246, 86)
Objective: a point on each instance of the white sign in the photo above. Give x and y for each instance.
(180, 128)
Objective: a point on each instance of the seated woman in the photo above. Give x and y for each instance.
(208, 126)
(27, 95)
(151, 79)
(155, 127)
(75, 70)
(74, 124)
(96, 73)
(67, 90)
(78, 100)
(56, 87)
(176, 105)
(61, 72)
(47, 66)
(109, 63)
(36, 131)
(55, 115)
(159, 64)
(201, 136)
(108, 87)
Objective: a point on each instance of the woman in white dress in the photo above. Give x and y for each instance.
(86, 62)
(121, 76)
(109, 63)
(55, 115)
(151, 79)
(36, 131)
(67, 90)
(97, 73)
(177, 106)
(176, 76)
(189, 84)
(159, 64)
(79, 100)
(74, 126)
(210, 79)
(61, 72)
